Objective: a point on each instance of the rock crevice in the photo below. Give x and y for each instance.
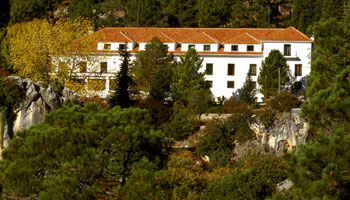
(39, 100)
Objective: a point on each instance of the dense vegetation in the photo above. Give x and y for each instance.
(123, 151)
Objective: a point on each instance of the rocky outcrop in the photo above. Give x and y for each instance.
(39, 100)
(287, 132)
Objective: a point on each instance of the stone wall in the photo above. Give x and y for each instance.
(39, 100)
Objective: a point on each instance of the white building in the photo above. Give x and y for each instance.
(228, 53)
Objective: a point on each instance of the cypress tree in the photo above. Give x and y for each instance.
(121, 96)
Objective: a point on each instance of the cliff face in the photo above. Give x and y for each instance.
(287, 132)
(39, 99)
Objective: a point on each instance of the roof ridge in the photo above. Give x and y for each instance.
(299, 32)
(194, 28)
(212, 37)
(168, 36)
(126, 36)
(253, 37)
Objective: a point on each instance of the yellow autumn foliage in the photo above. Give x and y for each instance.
(44, 50)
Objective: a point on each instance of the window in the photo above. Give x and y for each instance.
(250, 47)
(103, 67)
(287, 50)
(107, 46)
(298, 70)
(230, 84)
(121, 46)
(206, 47)
(209, 69)
(210, 83)
(234, 47)
(231, 69)
(252, 69)
(82, 67)
(191, 46)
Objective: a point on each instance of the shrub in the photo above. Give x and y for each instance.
(183, 123)
(255, 177)
(266, 115)
(284, 102)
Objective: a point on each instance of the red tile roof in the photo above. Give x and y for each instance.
(202, 35)
(244, 38)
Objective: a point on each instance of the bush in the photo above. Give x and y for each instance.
(266, 116)
(159, 111)
(255, 177)
(220, 136)
(284, 102)
(183, 123)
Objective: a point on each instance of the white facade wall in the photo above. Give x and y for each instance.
(300, 54)
(115, 45)
(220, 75)
(243, 47)
(200, 47)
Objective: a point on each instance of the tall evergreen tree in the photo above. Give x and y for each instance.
(268, 76)
(121, 95)
(153, 69)
(186, 76)
(248, 94)
(327, 83)
(306, 13)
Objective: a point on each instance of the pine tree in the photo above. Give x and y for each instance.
(153, 69)
(121, 96)
(186, 76)
(326, 86)
(268, 77)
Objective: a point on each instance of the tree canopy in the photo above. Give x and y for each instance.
(51, 46)
(78, 152)
(153, 69)
(273, 69)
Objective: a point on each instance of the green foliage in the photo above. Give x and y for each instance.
(185, 178)
(77, 151)
(213, 13)
(180, 13)
(248, 94)
(327, 84)
(28, 10)
(11, 95)
(121, 95)
(160, 112)
(146, 182)
(186, 76)
(268, 76)
(255, 177)
(284, 102)
(153, 69)
(182, 123)
(220, 136)
(267, 116)
(320, 169)
(200, 100)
